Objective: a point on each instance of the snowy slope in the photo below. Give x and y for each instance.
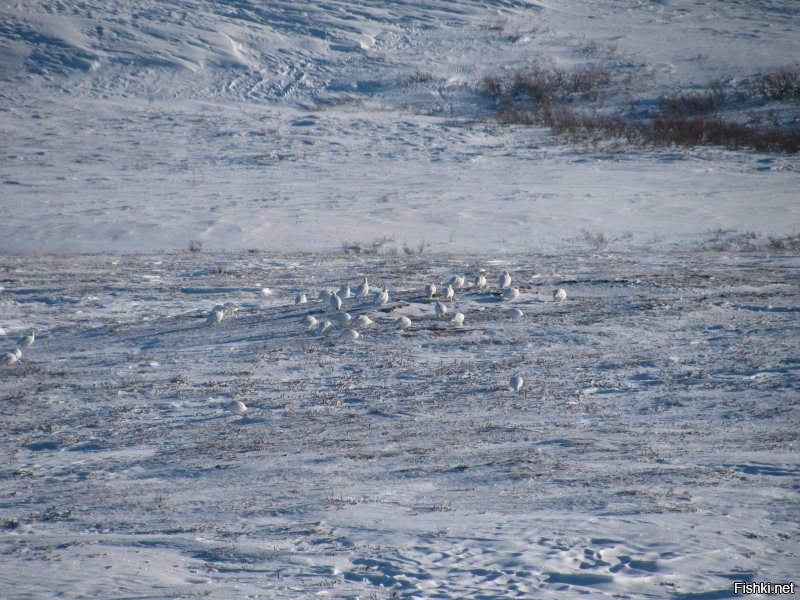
(289, 126)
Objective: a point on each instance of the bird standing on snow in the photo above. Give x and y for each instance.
(514, 313)
(27, 340)
(335, 301)
(560, 295)
(516, 383)
(236, 407)
(458, 318)
(511, 294)
(363, 289)
(216, 315)
(383, 297)
(440, 309)
(449, 294)
(403, 322)
(11, 357)
(457, 281)
(324, 295)
(300, 299)
(505, 280)
(480, 282)
(430, 290)
(323, 327)
(345, 293)
(350, 335)
(310, 321)
(363, 321)
(341, 318)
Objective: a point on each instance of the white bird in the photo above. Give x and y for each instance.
(230, 308)
(383, 297)
(341, 318)
(310, 321)
(10, 357)
(215, 316)
(363, 321)
(236, 407)
(344, 292)
(350, 335)
(2, 331)
(266, 292)
(17, 352)
(430, 290)
(441, 309)
(323, 327)
(511, 294)
(560, 295)
(363, 289)
(403, 322)
(336, 301)
(457, 281)
(516, 383)
(480, 282)
(449, 294)
(300, 299)
(458, 319)
(514, 313)
(27, 340)
(324, 295)
(505, 280)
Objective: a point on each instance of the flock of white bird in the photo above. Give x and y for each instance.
(346, 327)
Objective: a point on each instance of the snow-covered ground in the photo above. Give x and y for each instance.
(652, 450)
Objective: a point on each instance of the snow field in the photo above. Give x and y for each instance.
(651, 451)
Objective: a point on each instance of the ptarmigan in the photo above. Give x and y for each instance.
(403, 322)
(216, 315)
(335, 301)
(236, 407)
(560, 295)
(363, 321)
(480, 282)
(505, 280)
(514, 313)
(511, 294)
(457, 281)
(430, 290)
(383, 297)
(440, 309)
(350, 335)
(300, 299)
(27, 340)
(363, 289)
(458, 318)
(310, 321)
(516, 383)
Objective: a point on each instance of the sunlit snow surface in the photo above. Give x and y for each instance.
(286, 126)
(652, 451)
